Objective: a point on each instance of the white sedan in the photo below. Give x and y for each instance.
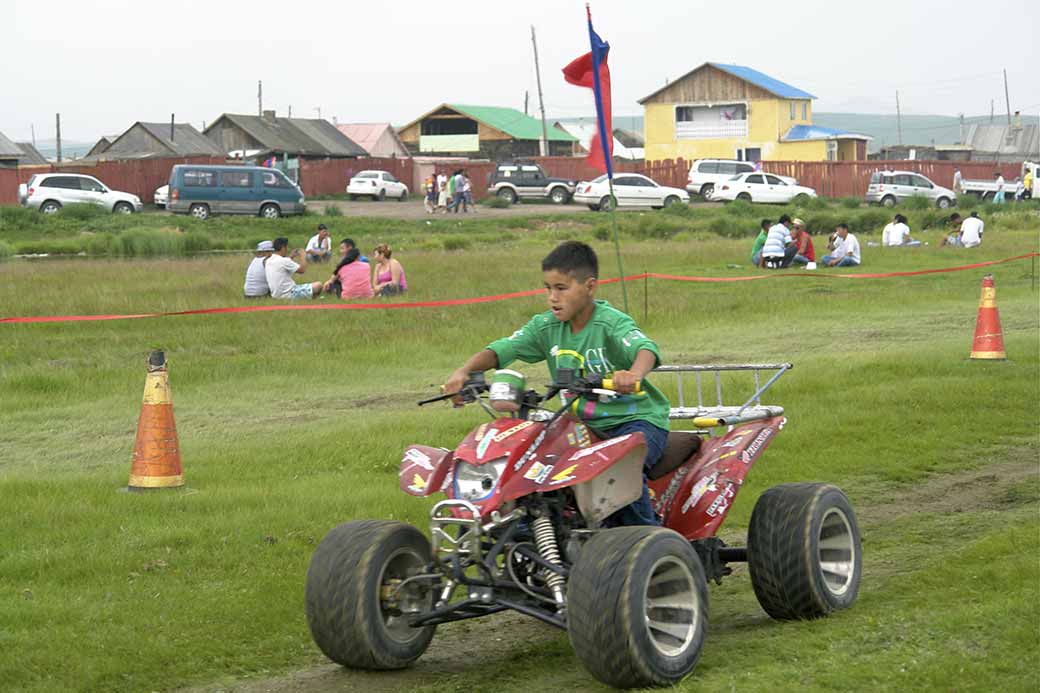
(162, 195)
(378, 185)
(630, 190)
(760, 187)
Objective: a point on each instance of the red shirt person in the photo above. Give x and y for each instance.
(803, 241)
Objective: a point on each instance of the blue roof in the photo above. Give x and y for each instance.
(764, 81)
(800, 133)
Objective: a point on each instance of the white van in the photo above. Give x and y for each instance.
(706, 173)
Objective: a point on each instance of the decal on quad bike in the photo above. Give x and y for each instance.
(756, 445)
(721, 502)
(423, 469)
(485, 442)
(538, 472)
(699, 489)
(510, 431)
(418, 458)
(418, 484)
(564, 476)
(585, 452)
(669, 493)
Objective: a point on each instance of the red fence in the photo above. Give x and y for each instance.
(322, 177)
(140, 176)
(328, 176)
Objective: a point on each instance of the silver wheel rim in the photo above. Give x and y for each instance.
(836, 551)
(270, 213)
(672, 606)
(50, 209)
(558, 195)
(123, 209)
(199, 212)
(402, 564)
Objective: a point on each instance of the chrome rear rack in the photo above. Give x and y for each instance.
(706, 414)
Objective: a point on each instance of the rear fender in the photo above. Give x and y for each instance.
(424, 470)
(695, 498)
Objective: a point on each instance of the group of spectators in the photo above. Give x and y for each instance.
(271, 271)
(448, 193)
(787, 242)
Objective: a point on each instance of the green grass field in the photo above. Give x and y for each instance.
(291, 422)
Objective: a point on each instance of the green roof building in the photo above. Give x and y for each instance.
(490, 132)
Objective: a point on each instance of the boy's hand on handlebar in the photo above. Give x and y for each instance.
(625, 382)
(455, 383)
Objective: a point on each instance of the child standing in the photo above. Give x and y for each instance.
(590, 336)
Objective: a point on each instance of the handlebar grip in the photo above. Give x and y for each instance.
(608, 384)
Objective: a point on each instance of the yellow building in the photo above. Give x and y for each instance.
(719, 111)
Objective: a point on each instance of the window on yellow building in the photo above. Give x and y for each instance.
(711, 122)
(805, 110)
(793, 116)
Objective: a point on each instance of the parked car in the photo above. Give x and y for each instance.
(630, 190)
(706, 174)
(889, 187)
(49, 192)
(378, 185)
(760, 187)
(203, 190)
(527, 181)
(162, 195)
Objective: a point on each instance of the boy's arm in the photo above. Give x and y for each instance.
(483, 360)
(625, 381)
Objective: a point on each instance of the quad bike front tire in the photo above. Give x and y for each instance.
(637, 604)
(804, 551)
(349, 613)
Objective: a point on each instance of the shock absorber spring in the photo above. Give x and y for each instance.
(545, 540)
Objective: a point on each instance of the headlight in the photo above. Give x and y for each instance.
(474, 483)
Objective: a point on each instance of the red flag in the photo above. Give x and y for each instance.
(591, 71)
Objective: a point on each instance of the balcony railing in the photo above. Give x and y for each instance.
(685, 130)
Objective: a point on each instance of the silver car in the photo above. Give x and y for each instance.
(890, 187)
(49, 192)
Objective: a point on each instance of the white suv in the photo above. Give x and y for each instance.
(49, 192)
(706, 173)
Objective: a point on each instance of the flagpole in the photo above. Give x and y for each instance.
(604, 145)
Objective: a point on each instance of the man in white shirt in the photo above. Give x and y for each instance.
(897, 234)
(256, 277)
(280, 270)
(970, 233)
(998, 197)
(779, 248)
(846, 249)
(319, 247)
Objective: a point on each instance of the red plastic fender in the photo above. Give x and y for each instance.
(582, 464)
(696, 497)
(424, 470)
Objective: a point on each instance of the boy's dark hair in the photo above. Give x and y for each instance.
(784, 220)
(574, 258)
(955, 216)
(280, 243)
(975, 214)
(843, 225)
(766, 223)
(900, 219)
(349, 242)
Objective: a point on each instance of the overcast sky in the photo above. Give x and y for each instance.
(108, 63)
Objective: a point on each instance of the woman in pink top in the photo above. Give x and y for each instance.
(351, 274)
(389, 279)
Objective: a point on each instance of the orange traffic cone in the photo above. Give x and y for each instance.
(157, 456)
(989, 340)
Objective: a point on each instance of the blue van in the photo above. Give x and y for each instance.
(202, 190)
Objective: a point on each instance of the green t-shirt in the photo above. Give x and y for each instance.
(609, 342)
(759, 242)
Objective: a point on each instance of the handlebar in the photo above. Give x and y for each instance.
(593, 384)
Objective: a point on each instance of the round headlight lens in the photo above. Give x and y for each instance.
(477, 483)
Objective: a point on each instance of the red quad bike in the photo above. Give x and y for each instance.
(522, 529)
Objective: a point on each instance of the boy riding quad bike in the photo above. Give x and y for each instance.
(556, 518)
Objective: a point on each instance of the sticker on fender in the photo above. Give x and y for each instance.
(585, 452)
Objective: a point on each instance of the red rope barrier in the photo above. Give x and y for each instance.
(496, 297)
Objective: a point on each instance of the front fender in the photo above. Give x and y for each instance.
(424, 470)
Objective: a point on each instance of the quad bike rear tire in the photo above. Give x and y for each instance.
(637, 603)
(804, 551)
(346, 581)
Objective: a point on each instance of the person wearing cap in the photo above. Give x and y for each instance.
(319, 247)
(256, 279)
(804, 251)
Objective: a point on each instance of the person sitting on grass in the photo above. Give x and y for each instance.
(319, 247)
(846, 249)
(352, 277)
(760, 240)
(779, 249)
(804, 251)
(896, 234)
(256, 277)
(967, 234)
(581, 332)
(389, 279)
(280, 270)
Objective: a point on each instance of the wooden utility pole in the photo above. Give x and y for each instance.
(171, 127)
(1007, 100)
(260, 98)
(526, 94)
(32, 128)
(899, 119)
(991, 111)
(544, 145)
(57, 134)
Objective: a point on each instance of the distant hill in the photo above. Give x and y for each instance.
(69, 149)
(917, 129)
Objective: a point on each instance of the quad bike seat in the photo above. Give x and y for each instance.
(681, 446)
